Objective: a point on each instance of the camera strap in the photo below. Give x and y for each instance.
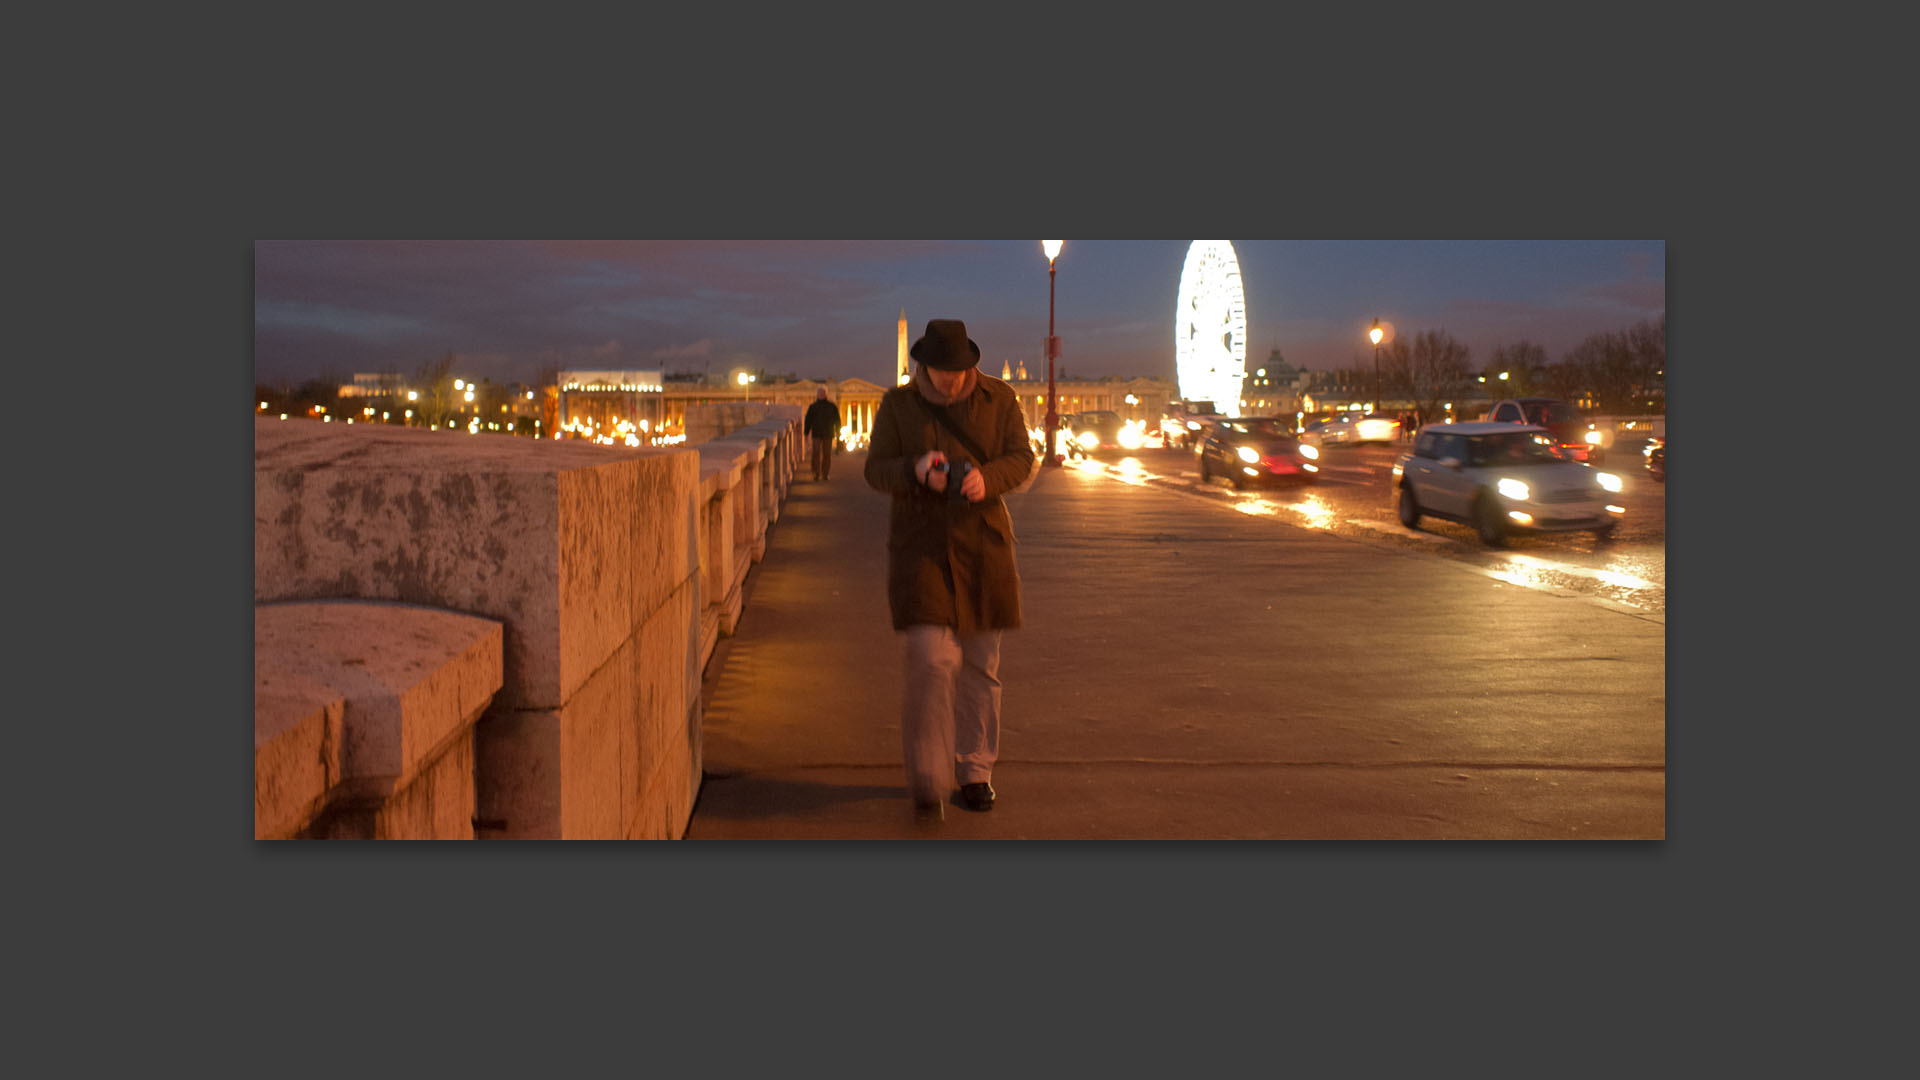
(940, 413)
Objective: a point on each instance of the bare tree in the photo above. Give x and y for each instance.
(1647, 341)
(1564, 380)
(435, 382)
(1615, 367)
(1522, 361)
(1433, 369)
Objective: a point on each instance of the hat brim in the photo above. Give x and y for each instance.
(931, 354)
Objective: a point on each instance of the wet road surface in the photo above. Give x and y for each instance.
(1354, 498)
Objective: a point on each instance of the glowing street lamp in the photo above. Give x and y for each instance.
(1052, 250)
(1376, 334)
(745, 380)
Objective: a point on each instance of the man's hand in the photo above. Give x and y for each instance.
(924, 469)
(974, 487)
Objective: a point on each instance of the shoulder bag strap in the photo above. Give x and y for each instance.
(940, 413)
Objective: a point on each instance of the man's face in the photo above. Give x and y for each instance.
(947, 382)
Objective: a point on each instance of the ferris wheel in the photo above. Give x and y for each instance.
(1210, 327)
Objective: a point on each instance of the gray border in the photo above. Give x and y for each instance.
(1599, 923)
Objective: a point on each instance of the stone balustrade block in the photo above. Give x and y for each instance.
(570, 544)
(296, 749)
(411, 682)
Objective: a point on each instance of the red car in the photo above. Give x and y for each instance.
(1559, 418)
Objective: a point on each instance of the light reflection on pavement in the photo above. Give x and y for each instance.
(1624, 577)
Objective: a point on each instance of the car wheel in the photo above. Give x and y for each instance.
(1486, 522)
(1409, 507)
(1238, 480)
(1604, 534)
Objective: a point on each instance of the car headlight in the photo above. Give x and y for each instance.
(1513, 489)
(1192, 426)
(1309, 452)
(1088, 439)
(1593, 437)
(1248, 454)
(1608, 481)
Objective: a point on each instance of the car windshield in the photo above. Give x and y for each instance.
(1518, 448)
(1262, 427)
(1551, 412)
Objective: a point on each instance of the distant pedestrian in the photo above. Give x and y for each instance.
(946, 446)
(823, 427)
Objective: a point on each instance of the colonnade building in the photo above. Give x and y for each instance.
(599, 401)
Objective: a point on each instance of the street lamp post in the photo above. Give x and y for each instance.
(1052, 249)
(1376, 334)
(744, 391)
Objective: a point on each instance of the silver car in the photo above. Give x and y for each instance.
(1353, 429)
(1503, 479)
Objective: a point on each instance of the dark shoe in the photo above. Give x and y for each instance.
(977, 797)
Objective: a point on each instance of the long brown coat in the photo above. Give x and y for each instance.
(951, 563)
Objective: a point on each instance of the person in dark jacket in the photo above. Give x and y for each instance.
(822, 425)
(946, 446)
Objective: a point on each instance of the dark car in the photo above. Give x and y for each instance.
(1185, 420)
(1561, 420)
(1256, 450)
(1097, 429)
(1656, 453)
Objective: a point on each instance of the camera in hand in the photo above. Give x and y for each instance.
(955, 477)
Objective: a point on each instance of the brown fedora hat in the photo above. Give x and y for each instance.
(946, 346)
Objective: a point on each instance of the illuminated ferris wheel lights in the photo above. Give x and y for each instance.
(1210, 327)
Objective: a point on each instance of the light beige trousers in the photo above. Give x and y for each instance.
(950, 725)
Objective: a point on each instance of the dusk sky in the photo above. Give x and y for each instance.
(830, 308)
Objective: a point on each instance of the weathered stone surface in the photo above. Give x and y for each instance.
(666, 799)
(721, 470)
(715, 420)
(666, 534)
(561, 541)
(601, 564)
(437, 805)
(556, 773)
(668, 685)
(296, 750)
(411, 679)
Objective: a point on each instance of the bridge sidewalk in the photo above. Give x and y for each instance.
(1179, 677)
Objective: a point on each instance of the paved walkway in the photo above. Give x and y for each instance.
(1189, 672)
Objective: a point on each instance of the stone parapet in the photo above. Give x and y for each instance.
(611, 573)
(363, 718)
(714, 420)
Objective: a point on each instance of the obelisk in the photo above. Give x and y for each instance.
(900, 375)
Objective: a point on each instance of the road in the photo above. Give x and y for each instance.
(1354, 498)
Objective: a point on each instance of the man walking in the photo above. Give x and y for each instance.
(822, 425)
(946, 446)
